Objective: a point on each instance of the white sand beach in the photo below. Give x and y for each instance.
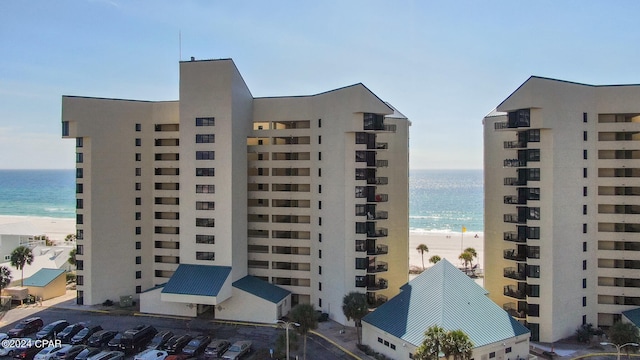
(447, 245)
(55, 228)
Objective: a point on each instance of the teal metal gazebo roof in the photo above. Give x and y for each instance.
(43, 277)
(261, 289)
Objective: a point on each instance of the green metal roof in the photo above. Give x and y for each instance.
(261, 289)
(444, 296)
(633, 316)
(190, 279)
(43, 277)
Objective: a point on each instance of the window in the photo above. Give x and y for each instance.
(584, 117)
(79, 203)
(361, 228)
(138, 201)
(205, 155)
(320, 204)
(319, 286)
(584, 283)
(138, 187)
(138, 171)
(138, 157)
(380, 340)
(319, 237)
(319, 155)
(533, 232)
(319, 172)
(138, 127)
(138, 260)
(79, 142)
(584, 301)
(205, 121)
(584, 246)
(205, 239)
(492, 355)
(584, 135)
(138, 216)
(584, 319)
(138, 274)
(584, 264)
(79, 250)
(205, 138)
(79, 188)
(319, 270)
(205, 255)
(361, 263)
(138, 245)
(79, 234)
(507, 350)
(319, 302)
(138, 230)
(79, 219)
(205, 172)
(584, 209)
(584, 154)
(79, 173)
(65, 128)
(584, 191)
(79, 264)
(319, 139)
(138, 142)
(79, 158)
(319, 123)
(584, 172)
(138, 289)
(79, 280)
(205, 205)
(319, 188)
(319, 253)
(205, 189)
(205, 222)
(584, 228)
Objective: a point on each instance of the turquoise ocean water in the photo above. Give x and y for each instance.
(440, 200)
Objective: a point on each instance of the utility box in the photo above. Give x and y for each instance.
(126, 301)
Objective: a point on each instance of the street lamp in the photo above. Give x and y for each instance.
(288, 325)
(619, 347)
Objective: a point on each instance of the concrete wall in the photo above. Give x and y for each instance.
(57, 287)
(151, 303)
(243, 306)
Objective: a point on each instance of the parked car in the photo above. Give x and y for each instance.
(26, 353)
(83, 335)
(101, 338)
(108, 355)
(178, 357)
(196, 346)
(151, 354)
(216, 348)
(86, 353)
(69, 353)
(238, 349)
(26, 327)
(69, 332)
(137, 338)
(160, 339)
(114, 344)
(13, 346)
(177, 343)
(49, 352)
(49, 332)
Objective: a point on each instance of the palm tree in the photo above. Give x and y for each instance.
(70, 237)
(467, 258)
(305, 315)
(422, 248)
(5, 277)
(458, 345)
(434, 259)
(432, 345)
(354, 307)
(72, 257)
(472, 251)
(20, 257)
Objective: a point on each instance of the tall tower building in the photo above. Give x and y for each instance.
(562, 217)
(220, 199)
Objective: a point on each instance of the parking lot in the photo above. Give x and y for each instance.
(263, 338)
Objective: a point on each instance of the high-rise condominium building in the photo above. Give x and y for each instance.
(562, 211)
(303, 193)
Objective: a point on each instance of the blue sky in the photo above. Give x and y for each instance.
(444, 64)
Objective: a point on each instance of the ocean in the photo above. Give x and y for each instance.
(440, 200)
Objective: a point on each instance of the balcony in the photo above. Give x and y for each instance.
(375, 301)
(378, 266)
(378, 250)
(501, 125)
(513, 236)
(515, 144)
(378, 198)
(512, 273)
(511, 309)
(514, 199)
(382, 163)
(380, 215)
(512, 254)
(378, 181)
(378, 232)
(381, 284)
(514, 163)
(382, 145)
(513, 218)
(512, 181)
(513, 292)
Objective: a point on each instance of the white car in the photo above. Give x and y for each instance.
(107, 355)
(238, 349)
(151, 354)
(48, 353)
(7, 348)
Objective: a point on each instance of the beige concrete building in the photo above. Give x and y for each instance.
(308, 193)
(561, 212)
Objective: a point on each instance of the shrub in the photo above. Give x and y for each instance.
(107, 303)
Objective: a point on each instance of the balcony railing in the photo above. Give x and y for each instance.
(514, 199)
(513, 236)
(514, 163)
(382, 145)
(511, 309)
(513, 292)
(380, 198)
(376, 301)
(512, 273)
(512, 254)
(501, 125)
(512, 218)
(382, 163)
(379, 250)
(378, 232)
(515, 144)
(512, 181)
(381, 215)
(381, 284)
(379, 266)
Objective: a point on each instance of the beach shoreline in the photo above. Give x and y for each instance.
(55, 228)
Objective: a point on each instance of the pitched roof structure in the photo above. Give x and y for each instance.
(202, 280)
(444, 296)
(633, 316)
(261, 289)
(43, 277)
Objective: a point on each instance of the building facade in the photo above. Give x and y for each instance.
(562, 219)
(308, 193)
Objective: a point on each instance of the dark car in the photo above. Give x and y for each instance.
(196, 346)
(69, 332)
(49, 332)
(216, 348)
(83, 335)
(84, 354)
(177, 343)
(70, 353)
(137, 338)
(160, 339)
(26, 327)
(114, 344)
(101, 338)
(27, 353)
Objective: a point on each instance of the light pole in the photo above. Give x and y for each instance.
(618, 347)
(288, 325)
